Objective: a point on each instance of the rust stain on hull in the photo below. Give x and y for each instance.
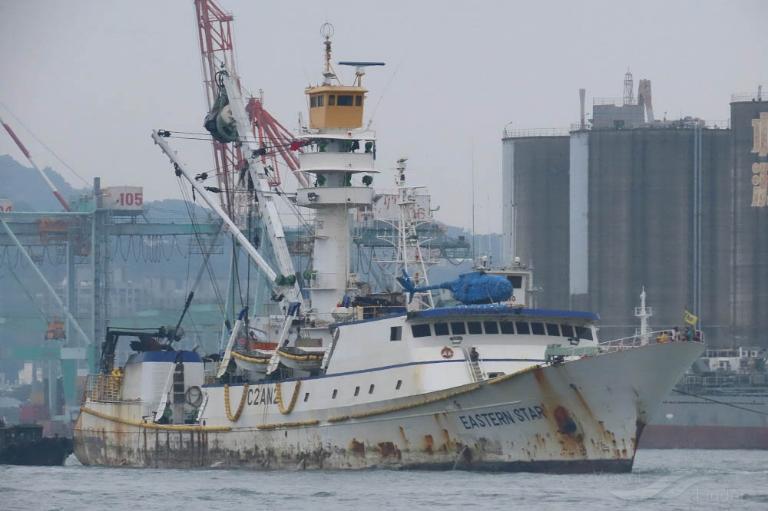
(429, 444)
(389, 450)
(567, 430)
(357, 448)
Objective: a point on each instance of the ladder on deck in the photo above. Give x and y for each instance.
(477, 373)
(473, 367)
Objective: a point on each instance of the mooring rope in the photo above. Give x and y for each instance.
(236, 416)
(152, 425)
(279, 397)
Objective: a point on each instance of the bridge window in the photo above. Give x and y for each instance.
(399, 384)
(553, 329)
(458, 328)
(358, 100)
(422, 330)
(474, 327)
(522, 327)
(344, 100)
(507, 327)
(395, 333)
(441, 329)
(567, 331)
(357, 390)
(491, 327)
(516, 281)
(537, 328)
(335, 393)
(583, 332)
(332, 100)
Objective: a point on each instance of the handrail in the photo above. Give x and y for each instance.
(104, 388)
(657, 336)
(535, 132)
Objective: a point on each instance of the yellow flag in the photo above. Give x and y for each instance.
(690, 318)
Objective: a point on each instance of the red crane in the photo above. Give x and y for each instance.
(23, 149)
(217, 48)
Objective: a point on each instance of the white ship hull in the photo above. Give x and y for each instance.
(583, 415)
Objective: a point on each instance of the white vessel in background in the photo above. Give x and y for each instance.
(337, 380)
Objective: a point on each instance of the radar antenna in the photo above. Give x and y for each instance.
(359, 69)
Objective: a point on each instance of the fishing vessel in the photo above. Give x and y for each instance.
(338, 378)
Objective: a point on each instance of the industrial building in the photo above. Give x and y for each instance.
(626, 201)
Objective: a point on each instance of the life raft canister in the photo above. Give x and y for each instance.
(446, 352)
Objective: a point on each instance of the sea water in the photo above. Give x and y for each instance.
(662, 479)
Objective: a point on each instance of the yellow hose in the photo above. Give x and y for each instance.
(236, 416)
(152, 425)
(279, 397)
(298, 424)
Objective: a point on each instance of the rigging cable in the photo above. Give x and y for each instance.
(44, 146)
(193, 220)
(29, 295)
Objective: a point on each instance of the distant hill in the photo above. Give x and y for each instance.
(26, 188)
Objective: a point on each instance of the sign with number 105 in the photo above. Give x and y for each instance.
(124, 197)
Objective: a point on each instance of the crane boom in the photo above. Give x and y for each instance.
(214, 27)
(266, 201)
(48, 182)
(217, 51)
(181, 169)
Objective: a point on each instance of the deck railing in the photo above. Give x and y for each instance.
(104, 387)
(658, 336)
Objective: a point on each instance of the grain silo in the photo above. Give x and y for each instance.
(749, 148)
(654, 214)
(535, 208)
(649, 203)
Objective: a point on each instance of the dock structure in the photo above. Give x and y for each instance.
(84, 237)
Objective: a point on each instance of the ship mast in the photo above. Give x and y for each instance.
(337, 149)
(408, 243)
(643, 313)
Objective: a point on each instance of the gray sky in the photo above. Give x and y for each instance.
(92, 78)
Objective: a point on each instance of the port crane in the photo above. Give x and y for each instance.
(257, 137)
(217, 52)
(246, 143)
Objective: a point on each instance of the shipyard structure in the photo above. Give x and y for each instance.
(624, 201)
